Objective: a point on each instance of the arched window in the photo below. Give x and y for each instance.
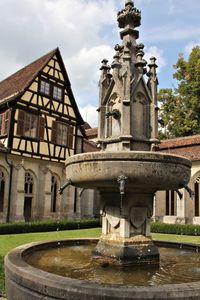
(54, 186)
(2, 189)
(170, 203)
(28, 189)
(197, 196)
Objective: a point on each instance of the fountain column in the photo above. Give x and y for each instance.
(127, 123)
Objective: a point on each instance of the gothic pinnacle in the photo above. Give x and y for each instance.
(129, 2)
(128, 19)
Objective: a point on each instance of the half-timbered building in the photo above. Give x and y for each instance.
(40, 126)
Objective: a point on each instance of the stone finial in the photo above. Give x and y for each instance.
(140, 62)
(129, 16)
(105, 65)
(152, 62)
(116, 63)
(152, 69)
(129, 2)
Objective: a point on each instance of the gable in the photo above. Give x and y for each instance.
(18, 82)
(140, 88)
(40, 94)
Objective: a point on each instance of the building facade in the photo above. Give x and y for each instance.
(184, 208)
(40, 126)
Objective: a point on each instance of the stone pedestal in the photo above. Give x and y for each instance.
(125, 235)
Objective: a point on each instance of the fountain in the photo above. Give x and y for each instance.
(127, 172)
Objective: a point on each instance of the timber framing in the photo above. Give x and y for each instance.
(44, 120)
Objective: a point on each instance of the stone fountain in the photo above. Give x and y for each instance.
(127, 171)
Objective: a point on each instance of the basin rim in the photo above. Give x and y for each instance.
(143, 156)
(17, 268)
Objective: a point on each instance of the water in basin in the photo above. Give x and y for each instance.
(75, 261)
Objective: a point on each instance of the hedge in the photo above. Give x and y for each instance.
(184, 229)
(54, 225)
(45, 226)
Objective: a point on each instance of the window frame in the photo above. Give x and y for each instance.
(21, 123)
(69, 142)
(4, 122)
(31, 125)
(55, 97)
(46, 82)
(52, 87)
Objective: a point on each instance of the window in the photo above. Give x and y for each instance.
(2, 189)
(28, 185)
(30, 125)
(28, 189)
(57, 93)
(170, 209)
(4, 122)
(45, 87)
(52, 90)
(62, 134)
(54, 186)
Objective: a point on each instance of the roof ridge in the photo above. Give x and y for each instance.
(18, 81)
(31, 63)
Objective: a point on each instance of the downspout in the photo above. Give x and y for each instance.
(10, 164)
(10, 186)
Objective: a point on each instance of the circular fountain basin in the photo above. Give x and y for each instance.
(146, 171)
(24, 281)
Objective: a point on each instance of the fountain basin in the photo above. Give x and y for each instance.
(26, 282)
(146, 171)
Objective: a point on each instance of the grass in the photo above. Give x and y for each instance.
(176, 238)
(8, 242)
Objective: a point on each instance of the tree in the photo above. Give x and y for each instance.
(180, 107)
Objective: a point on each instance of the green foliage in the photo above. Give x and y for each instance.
(45, 226)
(180, 107)
(179, 229)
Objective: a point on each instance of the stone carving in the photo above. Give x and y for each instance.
(138, 216)
(113, 215)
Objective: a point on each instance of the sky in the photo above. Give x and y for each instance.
(86, 31)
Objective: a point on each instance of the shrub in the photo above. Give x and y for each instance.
(44, 226)
(184, 229)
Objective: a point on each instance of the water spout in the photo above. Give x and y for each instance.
(179, 194)
(67, 183)
(122, 179)
(190, 192)
(115, 114)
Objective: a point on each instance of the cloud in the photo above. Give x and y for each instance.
(90, 115)
(158, 53)
(190, 46)
(83, 68)
(34, 27)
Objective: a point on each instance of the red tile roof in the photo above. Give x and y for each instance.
(91, 133)
(19, 81)
(188, 147)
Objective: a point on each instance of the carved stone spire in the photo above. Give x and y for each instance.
(104, 79)
(153, 87)
(140, 62)
(126, 95)
(129, 18)
(153, 80)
